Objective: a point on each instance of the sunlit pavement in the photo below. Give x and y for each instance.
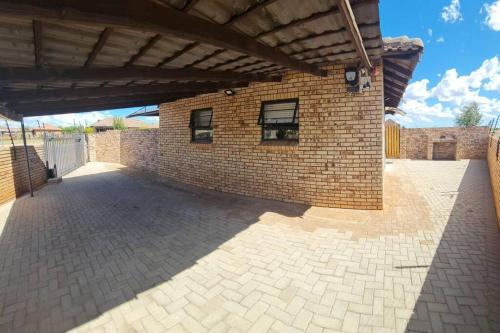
(107, 250)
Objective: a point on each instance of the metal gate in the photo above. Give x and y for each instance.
(64, 153)
(392, 141)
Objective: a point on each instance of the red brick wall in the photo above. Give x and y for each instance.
(338, 161)
(13, 171)
(494, 166)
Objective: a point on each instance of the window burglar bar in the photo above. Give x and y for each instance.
(201, 125)
(280, 120)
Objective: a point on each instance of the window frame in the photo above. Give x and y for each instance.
(195, 128)
(291, 126)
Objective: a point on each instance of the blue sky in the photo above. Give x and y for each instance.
(461, 57)
(460, 62)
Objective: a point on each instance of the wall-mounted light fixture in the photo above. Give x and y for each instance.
(352, 79)
(229, 92)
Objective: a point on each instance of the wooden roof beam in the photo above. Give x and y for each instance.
(398, 68)
(45, 75)
(27, 96)
(142, 51)
(103, 37)
(353, 29)
(77, 106)
(149, 16)
(232, 20)
(37, 42)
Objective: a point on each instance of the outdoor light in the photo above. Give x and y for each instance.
(229, 92)
(352, 79)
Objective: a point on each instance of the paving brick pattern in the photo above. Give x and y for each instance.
(106, 251)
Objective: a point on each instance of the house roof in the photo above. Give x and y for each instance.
(65, 56)
(400, 58)
(129, 123)
(47, 127)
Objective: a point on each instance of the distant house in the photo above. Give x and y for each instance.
(45, 128)
(107, 124)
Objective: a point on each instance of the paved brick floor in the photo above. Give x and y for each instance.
(107, 251)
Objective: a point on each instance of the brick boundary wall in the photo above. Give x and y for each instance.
(13, 171)
(494, 167)
(471, 143)
(137, 148)
(338, 161)
(106, 145)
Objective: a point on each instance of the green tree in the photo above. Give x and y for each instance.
(118, 123)
(470, 116)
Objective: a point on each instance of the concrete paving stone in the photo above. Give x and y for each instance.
(110, 250)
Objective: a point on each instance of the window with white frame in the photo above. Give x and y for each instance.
(280, 120)
(201, 125)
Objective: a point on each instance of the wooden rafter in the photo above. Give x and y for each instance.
(329, 33)
(205, 58)
(393, 92)
(229, 23)
(36, 75)
(37, 42)
(30, 96)
(82, 106)
(353, 29)
(103, 37)
(149, 16)
(398, 68)
(142, 51)
(177, 54)
(311, 18)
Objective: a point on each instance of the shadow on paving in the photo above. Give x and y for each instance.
(94, 242)
(461, 292)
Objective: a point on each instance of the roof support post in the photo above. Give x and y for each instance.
(353, 29)
(26, 156)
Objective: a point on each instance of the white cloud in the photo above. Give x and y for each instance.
(492, 19)
(440, 40)
(429, 32)
(451, 13)
(453, 92)
(69, 119)
(418, 90)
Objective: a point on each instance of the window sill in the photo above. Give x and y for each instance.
(280, 143)
(201, 142)
(279, 146)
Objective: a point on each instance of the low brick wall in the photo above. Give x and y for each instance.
(14, 174)
(133, 148)
(494, 167)
(417, 143)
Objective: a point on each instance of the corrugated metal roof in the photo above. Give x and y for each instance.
(315, 34)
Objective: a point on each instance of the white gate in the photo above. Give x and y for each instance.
(64, 152)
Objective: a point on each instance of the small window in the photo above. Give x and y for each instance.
(280, 120)
(201, 125)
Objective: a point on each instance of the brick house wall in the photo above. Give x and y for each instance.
(494, 167)
(13, 170)
(338, 161)
(417, 143)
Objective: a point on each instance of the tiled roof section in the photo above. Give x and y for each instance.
(400, 58)
(403, 43)
(129, 123)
